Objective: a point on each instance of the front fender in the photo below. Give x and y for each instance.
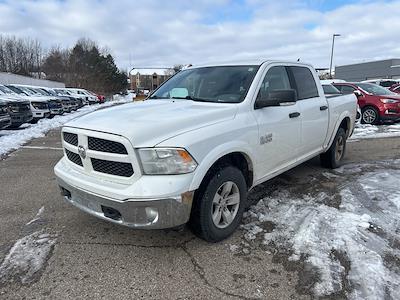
(217, 153)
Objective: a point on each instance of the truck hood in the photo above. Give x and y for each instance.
(151, 122)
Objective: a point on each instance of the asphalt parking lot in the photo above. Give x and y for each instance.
(86, 258)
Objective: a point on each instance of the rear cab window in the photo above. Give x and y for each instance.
(305, 82)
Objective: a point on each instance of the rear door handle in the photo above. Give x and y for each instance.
(294, 115)
(323, 107)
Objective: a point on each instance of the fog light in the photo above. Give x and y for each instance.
(151, 214)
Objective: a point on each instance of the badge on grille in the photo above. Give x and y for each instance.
(82, 152)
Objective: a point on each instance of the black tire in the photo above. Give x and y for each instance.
(201, 221)
(370, 115)
(331, 159)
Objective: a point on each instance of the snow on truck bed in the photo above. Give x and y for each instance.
(343, 225)
(13, 139)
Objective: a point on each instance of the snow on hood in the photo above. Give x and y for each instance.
(148, 123)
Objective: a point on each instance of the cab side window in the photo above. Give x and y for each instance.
(345, 89)
(305, 83)
(275, 79)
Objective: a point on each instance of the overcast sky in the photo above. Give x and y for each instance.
(150, 33)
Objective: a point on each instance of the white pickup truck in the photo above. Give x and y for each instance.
(191, 152)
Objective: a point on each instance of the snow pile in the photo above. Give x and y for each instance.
(37, 217)
(13, 139)
(352, 246)
(366, 131)
(26, 258)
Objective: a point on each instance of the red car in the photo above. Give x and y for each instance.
(377, 103)
(395, 88)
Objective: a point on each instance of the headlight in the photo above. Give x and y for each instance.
(36, 105)
(166, 161)
(387, 101)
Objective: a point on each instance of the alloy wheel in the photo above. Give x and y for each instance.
(225, 204)
(369, 116)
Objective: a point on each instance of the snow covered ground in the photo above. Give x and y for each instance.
(365, 131)
(13, 139)
(342, 225)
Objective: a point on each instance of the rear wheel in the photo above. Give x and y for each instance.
(370, 115)
(333, 157)
(219, 204)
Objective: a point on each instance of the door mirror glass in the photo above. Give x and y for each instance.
(277, 98)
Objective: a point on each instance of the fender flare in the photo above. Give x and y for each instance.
(217, 153)
(339, 121)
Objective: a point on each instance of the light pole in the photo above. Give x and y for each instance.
(333, 45)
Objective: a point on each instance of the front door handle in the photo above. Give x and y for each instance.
(323, 107)
(294, 115)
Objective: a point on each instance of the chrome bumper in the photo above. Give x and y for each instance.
(136, 213)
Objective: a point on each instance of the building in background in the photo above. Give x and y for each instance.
(148, 79)
(8, 78)
(389, 68)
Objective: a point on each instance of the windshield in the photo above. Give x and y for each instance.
(49, 92)
(5, 90)
(330, 89)
(27, 91)
(228, 84)
(374, 89)
(15, 89)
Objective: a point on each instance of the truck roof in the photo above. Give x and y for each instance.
(253, 62)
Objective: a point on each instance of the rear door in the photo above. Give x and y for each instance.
(279, 126)
(314, 111)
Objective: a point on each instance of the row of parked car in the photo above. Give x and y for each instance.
(21, 104)
(377, 103)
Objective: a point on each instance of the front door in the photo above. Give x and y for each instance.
(279, 126)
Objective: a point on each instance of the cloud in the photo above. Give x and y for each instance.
(162, 33)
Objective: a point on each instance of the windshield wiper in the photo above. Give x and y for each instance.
(194, 99)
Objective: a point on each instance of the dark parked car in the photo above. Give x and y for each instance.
(20, 112)
(5, 119)
(376, 103)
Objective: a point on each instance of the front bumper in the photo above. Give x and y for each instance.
(5, 121)
(56, 111)
(155, 213)
(20, 118)
(40, 114)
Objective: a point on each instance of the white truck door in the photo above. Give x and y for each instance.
(279, 126)
(314, 110)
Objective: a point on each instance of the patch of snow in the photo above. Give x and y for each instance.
(361, 231)
(37, 217)
(26, 257)
(14, 139)
(366, 131)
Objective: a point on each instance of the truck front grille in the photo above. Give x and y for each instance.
(100, 155)
(71, 138)
(75, 158)
(106, 146)
(112, 167)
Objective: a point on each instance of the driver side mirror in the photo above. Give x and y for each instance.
(358, 93)
(277, 98)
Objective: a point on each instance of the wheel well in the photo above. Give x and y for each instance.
(345, 124)
(237, 159)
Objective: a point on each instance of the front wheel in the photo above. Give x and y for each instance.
(219, 204)
(333, 157)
